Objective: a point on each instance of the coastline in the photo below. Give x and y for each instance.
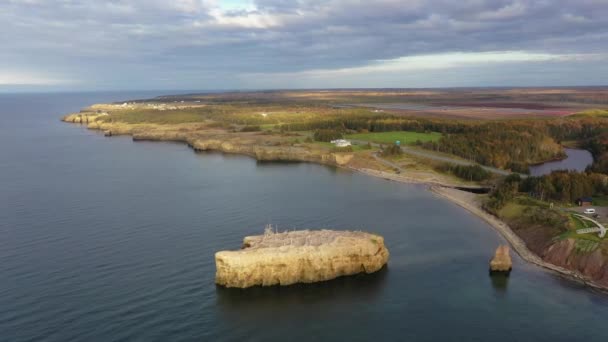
(442, 190)
(508, 234)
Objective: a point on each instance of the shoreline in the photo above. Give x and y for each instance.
(515, 241)
(442, 190)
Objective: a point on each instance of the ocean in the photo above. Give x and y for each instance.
(106, 239)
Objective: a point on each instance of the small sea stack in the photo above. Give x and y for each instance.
(304, 256)
(502, 260)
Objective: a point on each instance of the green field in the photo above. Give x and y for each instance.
(390, 137)
(600, 201)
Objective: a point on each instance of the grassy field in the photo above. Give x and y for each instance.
(391, 137)
(512, 210)
(600, 201)
(580, 223)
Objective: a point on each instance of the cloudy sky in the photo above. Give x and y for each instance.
(253, 44)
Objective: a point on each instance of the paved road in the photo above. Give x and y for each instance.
(435, 156)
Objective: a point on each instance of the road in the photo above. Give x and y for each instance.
(431, 155)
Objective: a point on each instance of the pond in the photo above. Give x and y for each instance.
(577, 160)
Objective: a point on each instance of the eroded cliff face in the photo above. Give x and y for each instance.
(586, 259)
(300, 257)
(592, 265)
(501, 262)
(83, 118)
(271, 153)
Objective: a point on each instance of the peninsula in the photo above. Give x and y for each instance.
(482, 141)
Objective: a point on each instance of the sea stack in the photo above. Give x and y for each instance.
(502, 260)
(304, 256)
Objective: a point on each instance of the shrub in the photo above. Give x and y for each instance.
(468, 172)
(327, 135)
(391, 150)
(251, 128)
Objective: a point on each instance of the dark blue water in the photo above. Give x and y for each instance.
(105, 239)
(576, 160)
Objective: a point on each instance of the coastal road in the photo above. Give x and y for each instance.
(431, 155)
(387, 162)
(435, 183)
(441, 158)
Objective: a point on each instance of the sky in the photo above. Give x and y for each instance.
(277, 44)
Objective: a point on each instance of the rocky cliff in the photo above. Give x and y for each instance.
(502, 260)
(262, 149)
(593, 265)
(300, 257)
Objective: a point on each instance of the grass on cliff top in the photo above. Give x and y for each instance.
(516, 207)
(390, 137)
(511, 210)
(580, 223)
(168, 117)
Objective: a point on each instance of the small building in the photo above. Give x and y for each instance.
(341, 142)
(584, 201)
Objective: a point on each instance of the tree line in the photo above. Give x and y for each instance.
(512, 144)
(559, 186)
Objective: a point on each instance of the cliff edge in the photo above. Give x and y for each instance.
(304, 256)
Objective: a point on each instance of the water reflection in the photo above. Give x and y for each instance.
(500, 281)
(577, 160)
(363, 286)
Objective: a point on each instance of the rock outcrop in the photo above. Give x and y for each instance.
(502, 260)
(304, 256)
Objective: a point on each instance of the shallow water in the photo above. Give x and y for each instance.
(106, 239)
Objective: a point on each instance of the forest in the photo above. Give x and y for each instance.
(473, 173)
(559, 186)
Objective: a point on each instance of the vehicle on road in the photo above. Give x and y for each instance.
(589, 211)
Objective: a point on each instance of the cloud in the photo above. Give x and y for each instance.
(28, 78)
(519, 68)
(218, 44)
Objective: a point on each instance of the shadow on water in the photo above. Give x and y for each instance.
(500, 281)
(364, 286)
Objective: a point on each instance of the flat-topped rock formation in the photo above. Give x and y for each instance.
(502, 260)
(304, 256)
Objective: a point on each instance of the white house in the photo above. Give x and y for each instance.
(341, 142)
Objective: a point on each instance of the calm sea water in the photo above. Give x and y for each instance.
(105, 239)
(577, 160)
